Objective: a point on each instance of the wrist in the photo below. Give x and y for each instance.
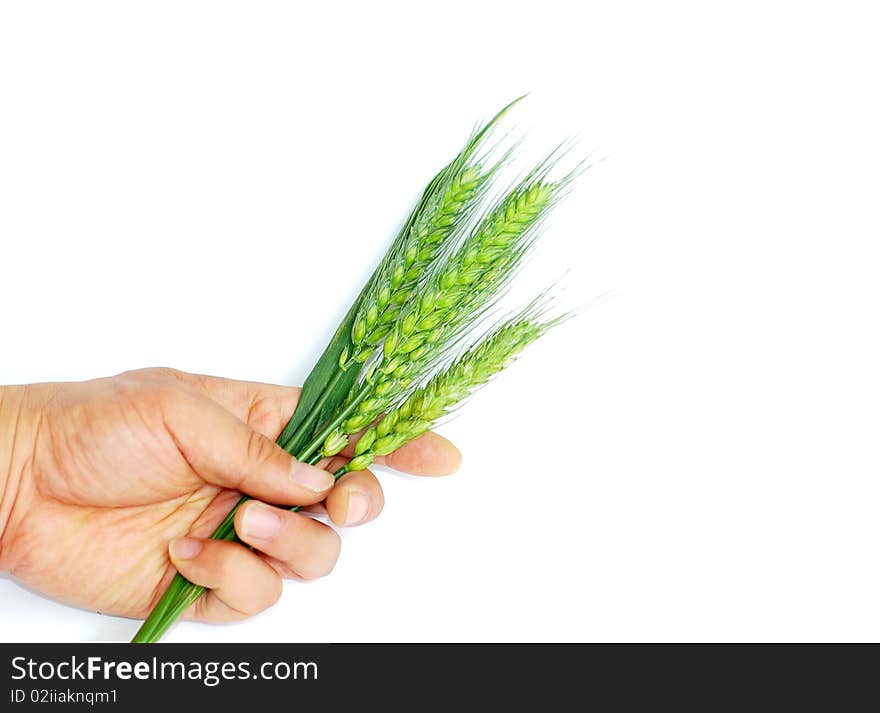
(12, 432)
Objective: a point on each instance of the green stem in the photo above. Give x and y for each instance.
(318, 440)
(182, 593)
(285, 439)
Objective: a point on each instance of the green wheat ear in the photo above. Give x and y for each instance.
(466, 283)
(452, 385)
(446, 205)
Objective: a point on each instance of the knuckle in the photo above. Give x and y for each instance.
(269, 408)
(157, 386)
(224, 569)
(322, 565)
(259, 448)
(267, 596)
(170, 396)
(156, 374)
(264, 410)
(165, 371)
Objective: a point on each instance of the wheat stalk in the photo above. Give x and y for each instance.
(437, 280)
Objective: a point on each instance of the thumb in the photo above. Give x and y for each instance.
(225, 451)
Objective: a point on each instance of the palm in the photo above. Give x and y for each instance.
(125, 492)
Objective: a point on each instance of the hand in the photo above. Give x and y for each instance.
(101, 475)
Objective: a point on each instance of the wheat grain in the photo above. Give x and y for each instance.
(409, 265)
(454, 298)
(421, 409)
(445, 206)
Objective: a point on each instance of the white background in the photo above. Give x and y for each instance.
(206, 185)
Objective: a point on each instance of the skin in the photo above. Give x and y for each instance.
(109, 486)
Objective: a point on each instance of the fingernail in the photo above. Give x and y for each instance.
(357, 509)
(314, 479)
(185, 548)
(260, 521)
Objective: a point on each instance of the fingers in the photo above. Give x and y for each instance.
(356, 499)
(225, 451)
(429, 454)
(266, 408)
(307, 548)
(241, 583)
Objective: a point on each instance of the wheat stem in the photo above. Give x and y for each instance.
(437, 280)
(285, 440)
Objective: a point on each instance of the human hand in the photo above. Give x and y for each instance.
(99, 476)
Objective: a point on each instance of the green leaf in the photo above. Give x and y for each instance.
(325, 374)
